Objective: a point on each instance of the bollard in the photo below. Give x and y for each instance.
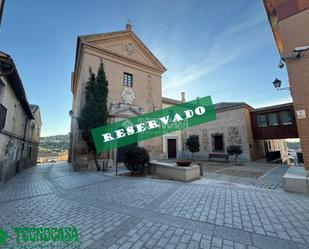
(201, 169)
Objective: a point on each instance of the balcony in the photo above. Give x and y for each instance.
(2, 116)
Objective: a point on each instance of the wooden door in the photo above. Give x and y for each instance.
(171, 148)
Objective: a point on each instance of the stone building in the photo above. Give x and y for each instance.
(233, 126)
(134, 76)
(20, 123)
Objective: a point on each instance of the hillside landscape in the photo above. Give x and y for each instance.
(56, 143)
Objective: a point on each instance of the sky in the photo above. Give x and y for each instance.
(221, 48)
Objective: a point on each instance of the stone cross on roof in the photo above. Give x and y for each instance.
(129, 25)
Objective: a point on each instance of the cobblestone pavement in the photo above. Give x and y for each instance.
(270, 180)
(123, 212)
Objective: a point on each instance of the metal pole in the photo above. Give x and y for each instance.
(1, 9)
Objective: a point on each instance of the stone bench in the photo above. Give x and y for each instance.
(296, 180)
(218, 156)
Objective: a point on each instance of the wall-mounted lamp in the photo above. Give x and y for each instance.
(299, 50)
(71, 114)
(277, 85)
(295, 55)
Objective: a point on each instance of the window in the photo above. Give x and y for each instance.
(273, 119)
(127, 79)
(3, 111)
(217, 142)
(2, 88)
(285, 117)
(262, 121)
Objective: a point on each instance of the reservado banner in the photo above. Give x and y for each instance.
(153, 124)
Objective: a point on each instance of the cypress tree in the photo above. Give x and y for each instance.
(94, 113)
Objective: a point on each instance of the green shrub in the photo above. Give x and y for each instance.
(193, 144)
(234, 150)
(136, 158)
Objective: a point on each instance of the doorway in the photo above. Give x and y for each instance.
(171, 148)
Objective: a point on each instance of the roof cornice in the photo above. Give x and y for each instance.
(121, 57)
(15, 82)
(84, 40)
(119, 34)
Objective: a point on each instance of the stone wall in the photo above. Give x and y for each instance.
(16, 142)
(235, 126)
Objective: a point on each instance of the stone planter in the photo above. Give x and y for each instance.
(183, 163)
(171, 171)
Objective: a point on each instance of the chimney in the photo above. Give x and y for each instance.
(183, 97)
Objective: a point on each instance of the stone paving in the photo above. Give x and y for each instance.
(273, 179)
(123, 212)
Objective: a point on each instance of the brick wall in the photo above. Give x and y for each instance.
(295, 33)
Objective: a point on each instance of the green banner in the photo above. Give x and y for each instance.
(153, 124)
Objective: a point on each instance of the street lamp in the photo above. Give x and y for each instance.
(277, 85)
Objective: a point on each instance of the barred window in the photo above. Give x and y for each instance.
(128, 79)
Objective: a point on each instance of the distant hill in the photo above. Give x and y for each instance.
(56, 143)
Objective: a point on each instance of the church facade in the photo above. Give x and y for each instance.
(135, 87)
